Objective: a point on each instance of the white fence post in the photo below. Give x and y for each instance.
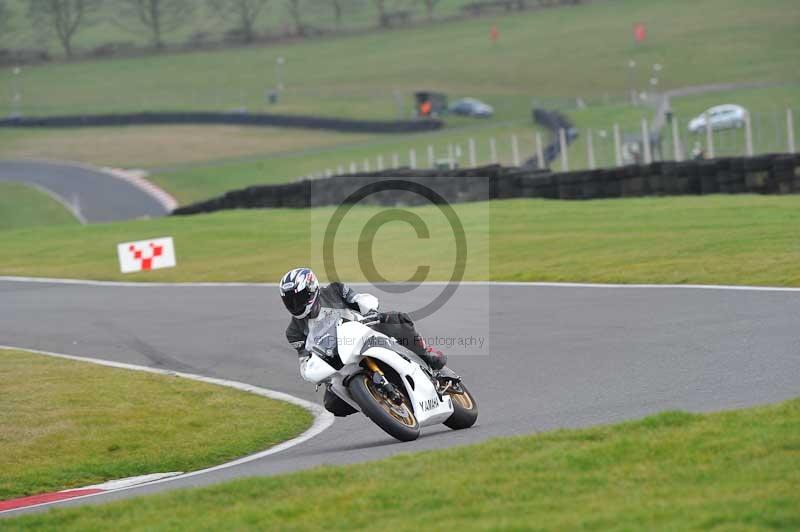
(473, 157)
(540, 151)
(748, 135)
(493, 150)
(380, 163)
(353, 168)
(790, 129)
(562, 144)
(431, 157)
(412, 158)
(709, 138)
(590, 149)
(395, 160)
(365, 165)
(677, 149)
(339, 170)
(515, 150)
(648, 156)
(451, 156)
(617, 145)
(328, 172)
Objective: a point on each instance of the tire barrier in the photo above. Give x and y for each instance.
(763, 174)
(343, 125)
(553, 121)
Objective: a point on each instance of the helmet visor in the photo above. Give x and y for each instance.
(298, 302)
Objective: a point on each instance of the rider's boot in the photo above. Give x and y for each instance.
(433, 357)
(447, 374)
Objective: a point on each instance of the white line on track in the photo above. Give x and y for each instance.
(87, 282)
(73, 209)
(322, 418)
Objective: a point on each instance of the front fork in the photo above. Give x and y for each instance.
(380, 381)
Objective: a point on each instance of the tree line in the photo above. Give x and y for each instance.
(64, 19)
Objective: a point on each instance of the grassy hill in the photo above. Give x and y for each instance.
(548, 57)
(274, 20)
(581, 51)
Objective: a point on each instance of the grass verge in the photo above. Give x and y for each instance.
(23, 206)
(734, 470)
(711, 239)
(66, 424)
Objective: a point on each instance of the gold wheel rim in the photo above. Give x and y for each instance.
(407, 420)
(463, 400)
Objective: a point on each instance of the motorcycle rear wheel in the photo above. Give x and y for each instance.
(396, 420)
(465, 410)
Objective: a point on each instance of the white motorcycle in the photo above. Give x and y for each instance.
(386, 382)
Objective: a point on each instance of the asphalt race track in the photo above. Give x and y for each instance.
(98, 196)
(560, 356)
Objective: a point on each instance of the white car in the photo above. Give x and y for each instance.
(726, 116)
(472, 107)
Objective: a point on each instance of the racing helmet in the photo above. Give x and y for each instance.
(300, 292)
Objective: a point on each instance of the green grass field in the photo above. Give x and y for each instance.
(67, 424)
(713, 239)
(23, 206)
(568, 52)
(274, 20)
(735, 470)
(696, 42)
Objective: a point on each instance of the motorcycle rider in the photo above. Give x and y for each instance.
(314, 308)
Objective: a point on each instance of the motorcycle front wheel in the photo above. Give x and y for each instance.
(396, 420)
(465, 409)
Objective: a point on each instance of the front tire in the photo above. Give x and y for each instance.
(397, 421)
(465, 410)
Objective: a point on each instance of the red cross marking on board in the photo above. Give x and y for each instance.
(146, 262)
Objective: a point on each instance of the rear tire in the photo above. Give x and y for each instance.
(465, 410)
(381, 411)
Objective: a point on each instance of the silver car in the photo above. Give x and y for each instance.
(472, 107)
(726, 116)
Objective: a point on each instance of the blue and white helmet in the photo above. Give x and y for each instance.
(299, 292)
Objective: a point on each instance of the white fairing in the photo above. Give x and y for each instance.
(315, 369)
(428, 408)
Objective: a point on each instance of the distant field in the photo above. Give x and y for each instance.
(23, 206)
(274, 20)
(734, 470)
(768, 107)
(548, 58)
(68, 424)
(160, 146)
(566, 52)
(194, 163)
(190, 183)
(742, 240)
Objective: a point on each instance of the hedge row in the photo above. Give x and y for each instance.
(238, 119)
(763, 174)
